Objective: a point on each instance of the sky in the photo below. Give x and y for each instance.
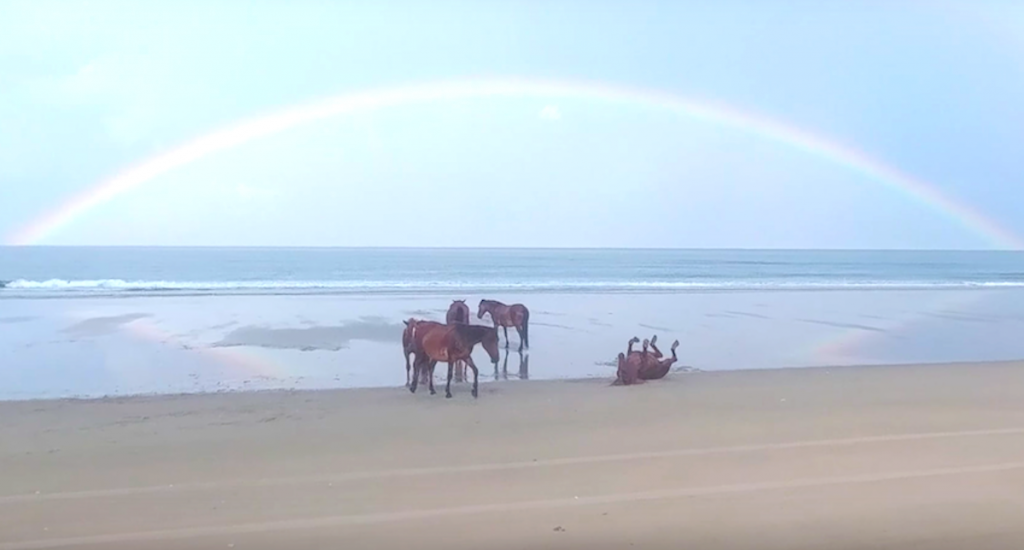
(932, 89)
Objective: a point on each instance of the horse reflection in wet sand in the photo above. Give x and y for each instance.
(433, 342)
(504, 316)
(458, 312)
(634, 367)
(524, 367)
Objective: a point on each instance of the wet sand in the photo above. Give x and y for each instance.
(883, 457)
(94, 347)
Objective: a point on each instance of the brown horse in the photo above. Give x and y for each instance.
(653, 343)
(515, 315)
(629, 364)
(458, 312)
(407, 349)
(655, 368)
(435, 342)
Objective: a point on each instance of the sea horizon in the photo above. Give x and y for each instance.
(567, 248)
(93, 271)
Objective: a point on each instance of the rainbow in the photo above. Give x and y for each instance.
(248, 364)
(39, 230)
(847, 346)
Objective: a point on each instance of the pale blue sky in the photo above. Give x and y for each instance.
(934, 89)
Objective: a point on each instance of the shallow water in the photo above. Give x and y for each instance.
(117, 346)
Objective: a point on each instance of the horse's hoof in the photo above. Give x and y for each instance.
(432, 392)
(474, 393)
(448, 395)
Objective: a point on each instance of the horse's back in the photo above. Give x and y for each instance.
(436, 339)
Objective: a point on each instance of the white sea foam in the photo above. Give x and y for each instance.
(115, 286)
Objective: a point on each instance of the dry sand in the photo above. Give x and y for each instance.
(873, 457)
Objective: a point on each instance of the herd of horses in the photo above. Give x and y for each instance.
(452, 342)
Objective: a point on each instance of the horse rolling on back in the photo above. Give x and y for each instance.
(504, 316)
(458, 312)
(435, 342)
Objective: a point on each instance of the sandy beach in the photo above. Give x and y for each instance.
(928, 456)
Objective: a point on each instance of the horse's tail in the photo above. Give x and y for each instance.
(526, 327)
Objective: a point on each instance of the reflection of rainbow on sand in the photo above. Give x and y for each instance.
(247, 364)
(849, 346)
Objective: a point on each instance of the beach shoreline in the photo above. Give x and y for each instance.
(608, 380)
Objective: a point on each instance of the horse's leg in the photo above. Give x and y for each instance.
(506, 335)
(522, 338)
(476, 374)
(448, 388)
(416, 366)
(433, 363)
(657, 352)
(504, 366)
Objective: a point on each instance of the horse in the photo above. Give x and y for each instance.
(435, 342)
(515, 315)
(458, 312)
(407, 349)
(653, 343)
(629, 364)
(655, 368)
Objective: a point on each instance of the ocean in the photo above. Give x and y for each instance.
(107, 271)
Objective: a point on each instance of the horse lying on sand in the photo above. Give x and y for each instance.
(458, 312)
(504, 316)
(653, 366)
(629, 364)
(634, 367)
(433, 342)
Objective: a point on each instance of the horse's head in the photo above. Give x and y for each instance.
(490, 344)
(410, 327)
(484, 307)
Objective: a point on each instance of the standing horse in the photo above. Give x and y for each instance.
(515, 315)
(407, 349)
(435, 342)
(458, 312)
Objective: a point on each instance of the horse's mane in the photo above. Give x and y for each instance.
(474, 331)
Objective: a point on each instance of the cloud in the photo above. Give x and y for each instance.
(550, 112)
